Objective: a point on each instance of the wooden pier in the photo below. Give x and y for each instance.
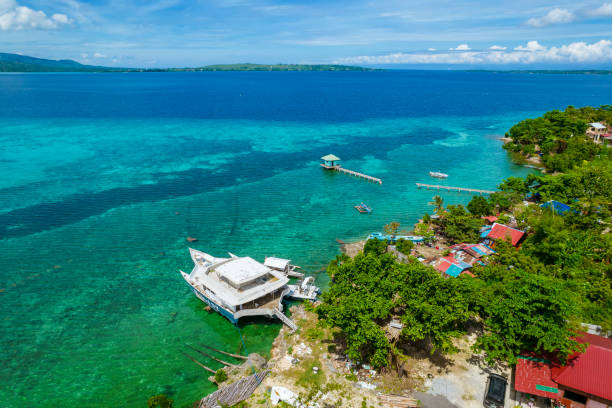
(353, 173)
(234, 393)
(450, 188)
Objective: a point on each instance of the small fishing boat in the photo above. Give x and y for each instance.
(437, 174)
(363, 208)
(304, 290)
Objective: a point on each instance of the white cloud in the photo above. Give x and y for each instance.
(461, 47)
(604, 10)
(99, 55)
(61, 18)
(554, 16)
(532, 52)
(431, 49)
(497, 48)
(16, 17)
(531, 46)
(84, 56)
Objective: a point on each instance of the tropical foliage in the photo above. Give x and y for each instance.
(559, 137)
(528, 298)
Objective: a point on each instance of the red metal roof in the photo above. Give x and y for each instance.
(490, 218)
(533, 376)
(591, 371)
(500, 231)
(443, 265)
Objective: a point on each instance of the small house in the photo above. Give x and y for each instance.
(330, 161)
(451, 267)
(596, 129)
(490, 219)
(471, 253)
(584, 382)
(498, 232)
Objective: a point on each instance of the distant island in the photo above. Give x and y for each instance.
(22, 63)
(548, 71)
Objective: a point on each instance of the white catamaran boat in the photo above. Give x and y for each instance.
(238, 286)
(304, 290)
(437, 174)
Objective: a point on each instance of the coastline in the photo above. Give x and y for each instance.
(532, 162)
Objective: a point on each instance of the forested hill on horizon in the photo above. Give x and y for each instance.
(23, 63)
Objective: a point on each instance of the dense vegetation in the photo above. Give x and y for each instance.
(530, 298)
(558, 137)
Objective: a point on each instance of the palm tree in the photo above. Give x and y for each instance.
(439, 203)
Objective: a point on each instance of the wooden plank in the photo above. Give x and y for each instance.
(198, 363)
(224, 352)
(225, 363)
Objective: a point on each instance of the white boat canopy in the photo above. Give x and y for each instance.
(277, 263)
(241, 271)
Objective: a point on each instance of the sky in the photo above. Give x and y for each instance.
(441, 34)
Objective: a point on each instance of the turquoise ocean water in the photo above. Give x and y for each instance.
(104, 176)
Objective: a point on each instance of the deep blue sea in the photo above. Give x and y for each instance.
(104, 176)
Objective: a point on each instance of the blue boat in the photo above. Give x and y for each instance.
(363, 208)
(384, 237)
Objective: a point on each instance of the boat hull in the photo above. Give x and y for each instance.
(229, 316)
(234, 317)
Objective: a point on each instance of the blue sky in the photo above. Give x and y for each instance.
(388, 33)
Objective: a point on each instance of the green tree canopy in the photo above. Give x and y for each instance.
(480, 206)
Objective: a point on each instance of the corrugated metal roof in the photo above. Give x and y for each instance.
(597, 125)
(453, 270)
(557, 206)
(591, 371)
(443, 265)
(500, 231)
(534, 376)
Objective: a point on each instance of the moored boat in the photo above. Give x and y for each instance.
(438, 174)
(237, 287)
(393, 238)
(363, 208)
(304, 290)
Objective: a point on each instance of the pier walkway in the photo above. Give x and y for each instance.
(285, 319)
(352, 173)
(450, 188)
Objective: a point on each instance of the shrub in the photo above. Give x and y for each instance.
(160, 401)
(375, 246)
(220, 376)
(404, 246)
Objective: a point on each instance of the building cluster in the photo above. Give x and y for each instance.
(462, 257)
